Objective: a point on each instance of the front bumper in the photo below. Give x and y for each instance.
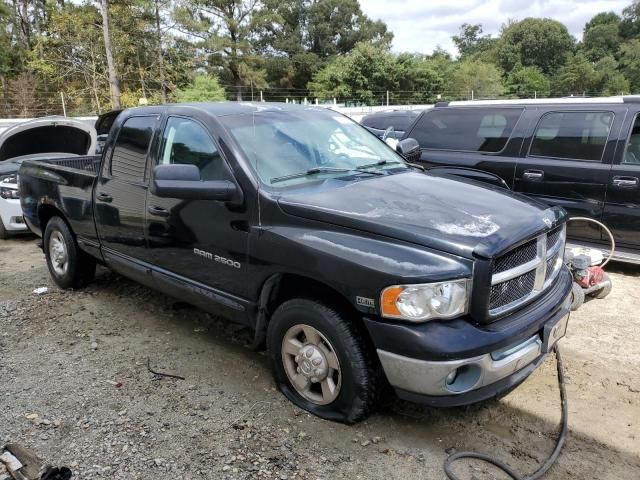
(11, 215)
(503, 353)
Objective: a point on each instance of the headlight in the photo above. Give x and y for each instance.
(426, 301)
(9, 193)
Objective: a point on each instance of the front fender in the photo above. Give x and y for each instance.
(358, 267)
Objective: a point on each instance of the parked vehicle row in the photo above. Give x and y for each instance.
(579, 154)
(354, 268)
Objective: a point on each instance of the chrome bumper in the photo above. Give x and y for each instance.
(455, 377)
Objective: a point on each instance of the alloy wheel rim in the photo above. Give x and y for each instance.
(311, 364)
(58, 253)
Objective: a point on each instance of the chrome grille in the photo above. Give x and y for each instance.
(526, 271)
(517, 256)
(512, 290)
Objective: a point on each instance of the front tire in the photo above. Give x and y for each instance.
(69, 266)
(3, 231)
(321, 361)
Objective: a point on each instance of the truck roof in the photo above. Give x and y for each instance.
(219, 109)
(544, 101)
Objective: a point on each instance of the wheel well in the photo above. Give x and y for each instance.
(45, 213)
(282, 287)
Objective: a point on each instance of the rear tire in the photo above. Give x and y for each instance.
(577, 296)
(606, 290)
(3, 231)
(69, 266)
(322, 362)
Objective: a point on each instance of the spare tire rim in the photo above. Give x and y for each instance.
(58, 253)
(311, 364)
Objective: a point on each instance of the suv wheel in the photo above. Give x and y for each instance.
(3, 231)
(68, 265)
(321, 361)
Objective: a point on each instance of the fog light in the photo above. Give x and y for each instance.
(464, 378)
(451, 377)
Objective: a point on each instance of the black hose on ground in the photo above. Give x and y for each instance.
(503, 466)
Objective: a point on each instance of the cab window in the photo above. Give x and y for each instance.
(572, 135)
(466, 129)
(186, 142)
(632, 150)
(129, 158)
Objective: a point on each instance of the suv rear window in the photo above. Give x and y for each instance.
(467, 129)
(130, 152)
(572, 135)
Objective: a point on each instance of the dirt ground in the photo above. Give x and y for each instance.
(78, 360)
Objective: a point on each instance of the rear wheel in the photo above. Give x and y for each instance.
(606, 290)
(69, 266)
(321, 361)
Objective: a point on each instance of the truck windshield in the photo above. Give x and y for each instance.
(288, 147)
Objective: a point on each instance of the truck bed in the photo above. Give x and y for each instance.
(88, 163)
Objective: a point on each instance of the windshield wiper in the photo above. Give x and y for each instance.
(316, 170)
(381, 163)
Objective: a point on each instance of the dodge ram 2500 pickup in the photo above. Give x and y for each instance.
(356, 269)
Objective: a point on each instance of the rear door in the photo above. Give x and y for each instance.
(121, 190)
(567, 160)
(486, 138)
(622, 208)
(202, 240)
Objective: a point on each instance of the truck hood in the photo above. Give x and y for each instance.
(47, 135)
(449, 214)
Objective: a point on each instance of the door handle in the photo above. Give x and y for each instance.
(533, 175)
(104, 197)
(159, 211)
(625, 182)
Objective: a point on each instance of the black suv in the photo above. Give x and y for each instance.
(580, 154)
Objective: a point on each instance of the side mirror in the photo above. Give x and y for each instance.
(409, 148)
(183, 181)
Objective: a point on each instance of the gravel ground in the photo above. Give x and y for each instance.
(76, 389)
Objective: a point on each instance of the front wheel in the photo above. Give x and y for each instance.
(577, 296)
(321, 361)
(69, 266)
(3, 231)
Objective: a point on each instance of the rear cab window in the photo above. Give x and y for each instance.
(576, 135)
(472, 129)
(128, 161)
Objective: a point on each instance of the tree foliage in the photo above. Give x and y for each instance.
(534, 42)
(169, 50)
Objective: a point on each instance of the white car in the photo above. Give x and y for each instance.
(11, 220)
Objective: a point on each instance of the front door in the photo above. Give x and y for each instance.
(202, 240)
(622, 209)
(567, 164)
(121, 191)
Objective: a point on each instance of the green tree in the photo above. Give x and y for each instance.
(420, 79)
(528, 82)
(204, 88)
(576, 77)
(630, 25)
(601, 36)
(611, 81)
(364, 75)
(471, 42)
(475, 79)
(630, 63)
(534, 42)
(225, 31)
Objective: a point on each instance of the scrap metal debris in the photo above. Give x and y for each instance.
(21, 463)
(160, 374)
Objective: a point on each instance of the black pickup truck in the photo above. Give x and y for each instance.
(354, 268)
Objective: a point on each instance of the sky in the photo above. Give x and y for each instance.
(422, 25)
